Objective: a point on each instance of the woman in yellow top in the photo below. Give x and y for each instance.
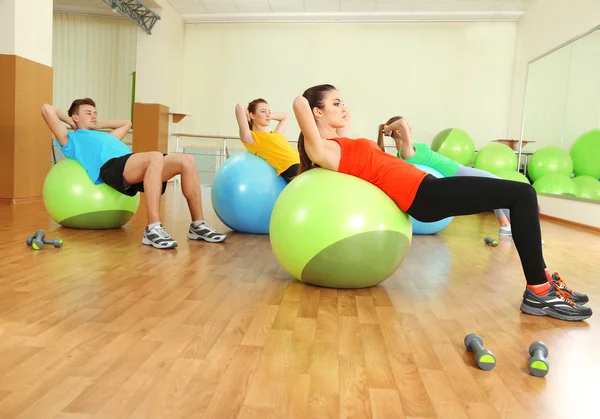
(272, 146)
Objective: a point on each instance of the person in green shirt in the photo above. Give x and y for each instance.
(420, 153)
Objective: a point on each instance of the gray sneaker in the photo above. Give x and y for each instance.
(555, 304)
(205, 232)
(505, 231)
(158, 237)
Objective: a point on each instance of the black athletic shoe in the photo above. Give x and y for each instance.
(203, 231)
(577, 297)
(555, 304)
(158, 237)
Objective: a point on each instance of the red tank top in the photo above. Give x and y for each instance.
(364, 159)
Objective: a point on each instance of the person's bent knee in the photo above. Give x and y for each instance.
(188, 161)
(156, 158)
(526, 191)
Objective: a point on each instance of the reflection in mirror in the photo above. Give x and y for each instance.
(560, 142)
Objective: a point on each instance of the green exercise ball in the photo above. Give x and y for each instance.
(496, 158)
(556, 184)
(74, 201)
(338, 231)
(455, 144)
(550, 160)
(589, 187)
(585, 153)
(512, 175)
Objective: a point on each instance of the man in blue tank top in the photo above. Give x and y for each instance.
(108, 160)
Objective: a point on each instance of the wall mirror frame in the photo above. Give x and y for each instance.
(562, 99)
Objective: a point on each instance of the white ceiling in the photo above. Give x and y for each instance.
(323, 10)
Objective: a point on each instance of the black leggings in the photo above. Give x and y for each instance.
(290, 173)
(437, 199)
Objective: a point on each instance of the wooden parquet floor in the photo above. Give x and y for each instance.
(108, 328)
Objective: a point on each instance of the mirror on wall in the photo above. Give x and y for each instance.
(560, 141)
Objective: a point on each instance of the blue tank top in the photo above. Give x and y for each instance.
(92, 149)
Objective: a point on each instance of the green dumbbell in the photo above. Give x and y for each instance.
(491, 242)
(538, 364)
(485, 359)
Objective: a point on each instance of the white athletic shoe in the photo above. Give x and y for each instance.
(158, 237)
(202, 231)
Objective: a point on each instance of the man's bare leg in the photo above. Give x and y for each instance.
(184, 165)
(147, 167)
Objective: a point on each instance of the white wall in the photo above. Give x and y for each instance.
(159, 60)
(26, 29)
(547, 24)
(7, 27)
(562, 100)
(437, 75)
(547, 86)
(582, 212)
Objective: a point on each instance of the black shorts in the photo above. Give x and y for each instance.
(112, 174)
(290, 173)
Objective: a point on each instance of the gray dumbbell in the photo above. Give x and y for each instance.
(485, 359)
(538, 364)
(38, 240)
(490, 242)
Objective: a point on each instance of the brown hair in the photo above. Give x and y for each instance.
(380, 142)
(252, 108)
(77, 103)
(315, 97)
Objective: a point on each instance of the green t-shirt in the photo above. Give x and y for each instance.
(425, 157)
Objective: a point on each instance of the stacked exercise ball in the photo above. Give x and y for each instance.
(325, 235)
(585, 153)
(496, 158)
(455, 144)
(244, 191)
(514, 176)
(588, 187)
(434, 227)
(548, 160)
(74, 201)
(556, 184)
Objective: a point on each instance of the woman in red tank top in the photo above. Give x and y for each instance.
(323, 120)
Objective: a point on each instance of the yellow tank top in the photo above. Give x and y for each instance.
(275, 149)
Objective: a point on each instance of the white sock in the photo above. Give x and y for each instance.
(506, 228)
(151, 226)
(198, 223)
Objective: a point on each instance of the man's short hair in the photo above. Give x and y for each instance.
(78, 102)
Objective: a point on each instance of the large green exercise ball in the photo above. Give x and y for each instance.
(556, 184)
(338, 231)
(495, 158)
(74, 201)
(514, 176)
(589, 187)
(585, 153)
(455, 144)
(550, 160)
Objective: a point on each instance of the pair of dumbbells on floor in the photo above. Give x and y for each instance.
(491, 242)
(39, 239)
(538, 353)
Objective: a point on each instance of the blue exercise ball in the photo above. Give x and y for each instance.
(422, 228)
(244, 192)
